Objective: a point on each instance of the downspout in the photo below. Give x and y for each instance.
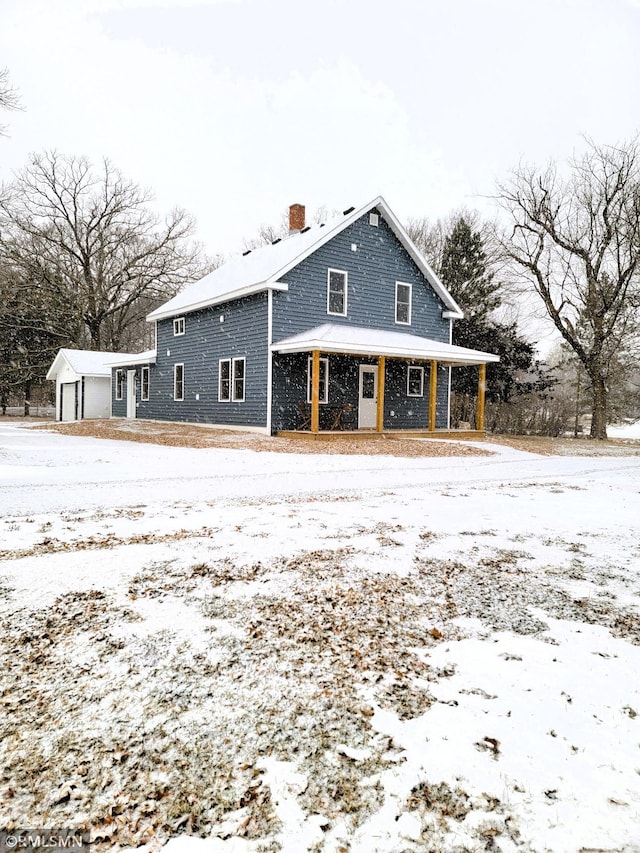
(269, 359)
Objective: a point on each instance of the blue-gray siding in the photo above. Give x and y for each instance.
(242, 332)
(378, 262)
(290, 377)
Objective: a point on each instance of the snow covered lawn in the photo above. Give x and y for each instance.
(241, 652)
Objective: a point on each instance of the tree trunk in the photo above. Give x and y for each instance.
(27, 394)
(599, 409)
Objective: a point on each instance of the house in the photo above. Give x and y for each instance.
(83, 384)
(339, 325)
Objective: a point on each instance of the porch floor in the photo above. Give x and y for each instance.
(326, 435)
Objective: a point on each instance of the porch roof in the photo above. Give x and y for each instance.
(356, 340)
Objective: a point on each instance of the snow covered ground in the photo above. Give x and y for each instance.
(246, 652)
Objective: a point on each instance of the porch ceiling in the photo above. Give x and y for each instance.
(355, 340)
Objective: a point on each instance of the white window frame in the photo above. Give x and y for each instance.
(234, 378)
(178, 327)
(119, 384)
(224, 398)
(144, 381)
(346, 289)
(324, 363)
(400, 284)
(175, 382)
(421, 373)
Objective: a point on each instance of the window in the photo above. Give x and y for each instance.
(224, 380)
(178, 326)
(178, 382)
(403, 303)
(337, 293)
(231, 377)
(119, 384)
(324, 379)
(144, 383)
(415, 381)
(238, 380)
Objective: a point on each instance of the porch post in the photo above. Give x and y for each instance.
(315, 391)
(433, 387)
(482, 384)
(380, 401)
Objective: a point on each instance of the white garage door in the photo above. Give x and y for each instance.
(68, 390)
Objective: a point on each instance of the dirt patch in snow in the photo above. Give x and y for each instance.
(203, 436)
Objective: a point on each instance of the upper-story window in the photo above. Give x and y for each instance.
(144, 383)
(337, 292)
(178, 326)
(403, 303)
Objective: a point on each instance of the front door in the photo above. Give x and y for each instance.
(368, 396)
(131, 393)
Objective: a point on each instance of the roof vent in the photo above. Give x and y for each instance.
(273, 242)
(374, 219)
(304, 230)
(248, 252)
(348, 210)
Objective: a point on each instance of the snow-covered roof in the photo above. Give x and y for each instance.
(82, 362)
(358, 340)
(124, 359)
(262, 269)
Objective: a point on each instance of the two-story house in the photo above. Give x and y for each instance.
(340, 325)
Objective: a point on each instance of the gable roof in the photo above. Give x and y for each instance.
(262, 269)
(82, 362)
(360, 340)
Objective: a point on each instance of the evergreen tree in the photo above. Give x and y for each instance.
(464, 271)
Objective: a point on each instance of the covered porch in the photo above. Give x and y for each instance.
(380, 357)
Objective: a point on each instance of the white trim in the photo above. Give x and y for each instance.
(228, 296)
(410, 286)
(127, 360)
(132, 396)
(367, 414)
(222, 361)
(325, 398)
(345, 274)
(175, 370)
(235, 361)
(401, 234)
(307, 248)
(411, 367)
(119, 377)
(144, 399)
(355, 340)
(269, 358)
(179, 326)
(448, 396)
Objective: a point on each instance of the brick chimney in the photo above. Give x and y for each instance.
(296, 217)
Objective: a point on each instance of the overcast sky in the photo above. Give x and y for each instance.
(234, 109)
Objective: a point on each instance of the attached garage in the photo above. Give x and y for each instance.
(83, 384)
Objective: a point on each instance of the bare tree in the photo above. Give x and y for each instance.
(575, 241)
(430, 237)
(9, 99)
(90, 235)
(268, 233)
